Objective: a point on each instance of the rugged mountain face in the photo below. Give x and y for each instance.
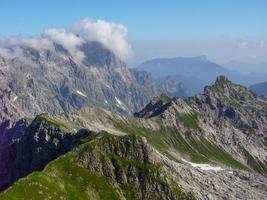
(227, 114)
(260, 88)
(53, 81)
(29, 147)
(241, 116)
(104, 167)
(211, 146)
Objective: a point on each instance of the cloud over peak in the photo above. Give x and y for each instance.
(111, 35)
(68, 40)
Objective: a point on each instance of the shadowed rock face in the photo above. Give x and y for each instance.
(29, 147)
(54, 82)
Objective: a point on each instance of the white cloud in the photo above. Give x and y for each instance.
(12, 47)
(32, 42)
(110, 34)
(68, 40)
(5, 53)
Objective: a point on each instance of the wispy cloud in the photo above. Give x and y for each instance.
(68, 40)
(112, 35)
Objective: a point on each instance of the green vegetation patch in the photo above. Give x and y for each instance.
(62, 179)
(53, 121)
(165, 98)
(189, 120)
(166, 139)
(255, 164)
(213, 153)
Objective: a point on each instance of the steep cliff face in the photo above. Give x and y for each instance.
(29, 147)
(53, 81)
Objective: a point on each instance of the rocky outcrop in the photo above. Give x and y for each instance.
(130, 162)
(226, 114)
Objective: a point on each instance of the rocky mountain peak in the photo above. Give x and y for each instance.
(226, 91)
(222, 80)
(52, 81)
(97, 54)
(156, 106)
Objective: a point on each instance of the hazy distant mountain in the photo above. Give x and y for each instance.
(260, 88)
(198, 67)
(193, 72)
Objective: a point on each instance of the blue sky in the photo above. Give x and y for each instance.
(216, 28)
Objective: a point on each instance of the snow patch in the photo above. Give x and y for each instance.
(15, 98)
(120, 104)
(119, 101)
(108, 86)
(106, 102)
(80, 93)
(205, 167)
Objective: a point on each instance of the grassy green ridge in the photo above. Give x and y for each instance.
(199, 149)
(53, 121)
(189, 120)
(66, 179)
(165, 98)
(255, 164)
(62, 179)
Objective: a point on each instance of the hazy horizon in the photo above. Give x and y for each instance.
(235, 32)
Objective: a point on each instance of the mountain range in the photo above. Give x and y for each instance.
(92, 128)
